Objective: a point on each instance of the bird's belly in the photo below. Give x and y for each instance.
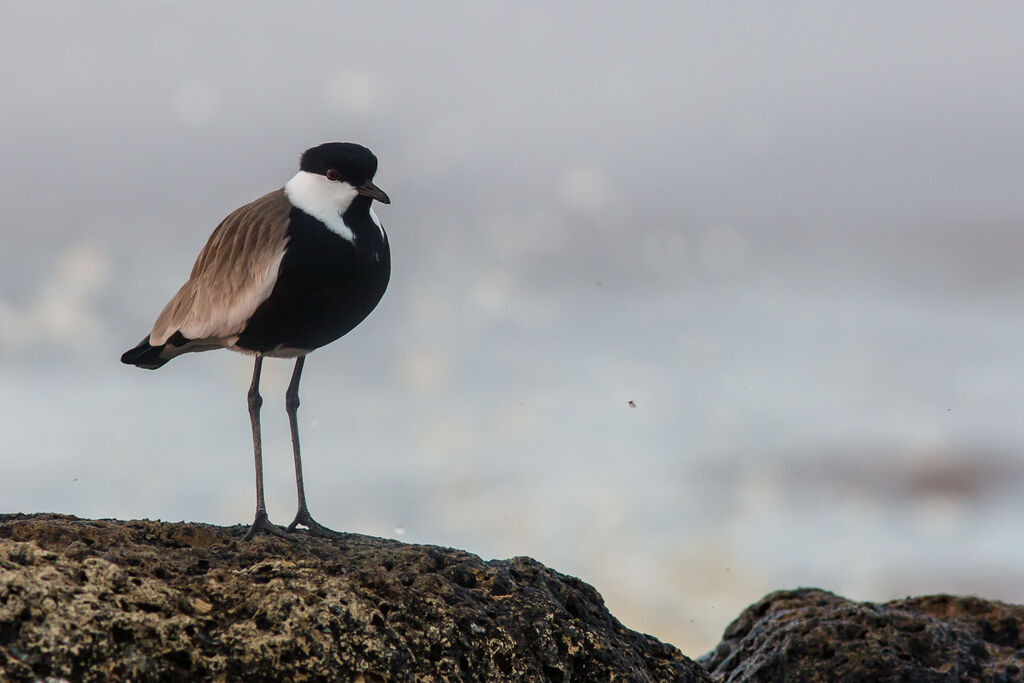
(311, 307)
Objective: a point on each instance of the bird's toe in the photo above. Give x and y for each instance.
(313, 527)
(263, 523)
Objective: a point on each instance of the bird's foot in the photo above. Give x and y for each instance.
(263, 523)
(315, 528)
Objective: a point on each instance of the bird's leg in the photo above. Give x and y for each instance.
(262, 522)
(291, 404)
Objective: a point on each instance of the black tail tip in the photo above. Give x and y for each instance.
(144, 356)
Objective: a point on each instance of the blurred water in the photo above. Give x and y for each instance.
(790, 238)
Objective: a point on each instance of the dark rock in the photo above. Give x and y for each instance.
(107, 600)
(813, 635)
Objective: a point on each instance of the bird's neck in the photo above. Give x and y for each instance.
(360, 219)
(360, 206)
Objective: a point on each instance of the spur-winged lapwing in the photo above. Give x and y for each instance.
(288, 273)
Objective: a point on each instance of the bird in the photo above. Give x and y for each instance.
(280, 277)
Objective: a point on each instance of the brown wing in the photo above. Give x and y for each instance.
(234, 273)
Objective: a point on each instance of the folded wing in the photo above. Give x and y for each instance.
(234, 273)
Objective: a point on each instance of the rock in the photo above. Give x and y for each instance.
(813, 635)
(106, 600)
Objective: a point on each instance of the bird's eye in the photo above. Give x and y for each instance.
(332, 174)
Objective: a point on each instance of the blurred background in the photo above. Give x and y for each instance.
(789, 235)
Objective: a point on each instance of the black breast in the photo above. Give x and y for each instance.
(326, 285)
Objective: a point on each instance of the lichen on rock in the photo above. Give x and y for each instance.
(96, 600)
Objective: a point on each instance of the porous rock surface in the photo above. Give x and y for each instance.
(812, 635)
(98, 600)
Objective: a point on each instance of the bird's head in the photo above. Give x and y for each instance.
(332, 176)
(347, 164)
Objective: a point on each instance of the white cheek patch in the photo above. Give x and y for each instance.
(323, 199)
